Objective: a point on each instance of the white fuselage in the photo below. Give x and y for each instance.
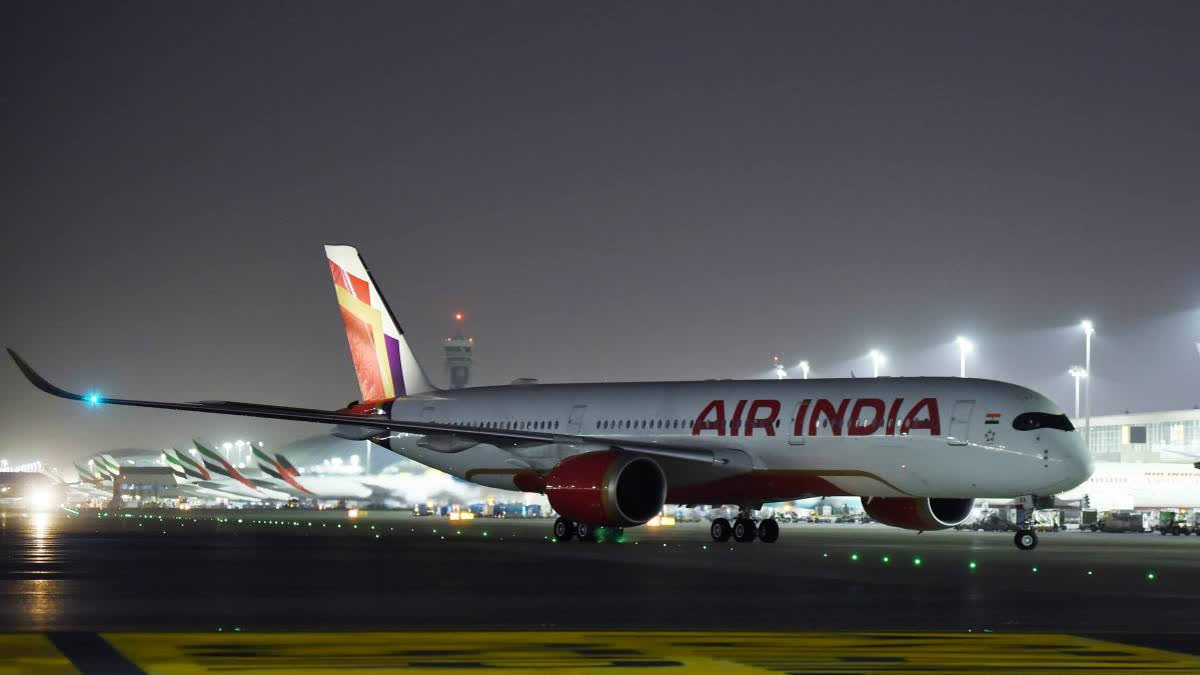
(921, 437)
(1121, 486)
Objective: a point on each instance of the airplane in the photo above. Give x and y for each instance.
(287, 478)
(1139, 486)
(228, 483)
(918, 450)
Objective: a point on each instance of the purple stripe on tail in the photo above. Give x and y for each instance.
(393, 355)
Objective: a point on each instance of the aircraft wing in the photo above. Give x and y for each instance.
(673, 449)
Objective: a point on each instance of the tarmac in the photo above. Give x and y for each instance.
(156, 591)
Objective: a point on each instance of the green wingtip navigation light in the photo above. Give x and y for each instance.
(93, 399)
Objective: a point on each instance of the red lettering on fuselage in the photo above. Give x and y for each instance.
(736, 423)
(933, 423)
(866, 417)
(753, 421)
(834, 415)
(857, 425)
(716, 410)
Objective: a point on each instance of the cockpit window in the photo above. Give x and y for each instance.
(1036, 420)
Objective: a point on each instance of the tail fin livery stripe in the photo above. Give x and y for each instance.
(383, 362)
(267, 465)
(217, 463)
(192, 467)
(88, 476)
(288, 473)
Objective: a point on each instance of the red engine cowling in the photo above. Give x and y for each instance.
(607, 488)
(919, 513)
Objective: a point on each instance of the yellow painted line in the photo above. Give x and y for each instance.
(31, 654)
(592, 651)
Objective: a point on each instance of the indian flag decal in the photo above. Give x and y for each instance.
(993, 418)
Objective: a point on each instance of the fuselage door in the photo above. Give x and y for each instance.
(575, 421)
(793, 437)
(960, 422)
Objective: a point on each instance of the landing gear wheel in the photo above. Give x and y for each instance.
(720, 530)
(585, 531)
(1026, 540)
(564, 529)
(768, 531)
(744, 530)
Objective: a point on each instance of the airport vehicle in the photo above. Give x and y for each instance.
(1170, 522)
(1141, 486)
(918, 450)
(1115, 521)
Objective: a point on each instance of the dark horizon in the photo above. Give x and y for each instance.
(609, 192)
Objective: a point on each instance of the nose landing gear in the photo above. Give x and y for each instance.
(1026, 540)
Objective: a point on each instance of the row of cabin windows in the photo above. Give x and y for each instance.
(530, 425)
(604, 425)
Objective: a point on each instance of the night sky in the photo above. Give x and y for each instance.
(610, 191)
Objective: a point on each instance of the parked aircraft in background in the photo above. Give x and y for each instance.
(1143, 486)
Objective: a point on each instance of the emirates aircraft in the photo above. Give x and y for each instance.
(1139, 485)
(609, 455)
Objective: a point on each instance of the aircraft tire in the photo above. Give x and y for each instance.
(564, 529)
(1026, 540)
(768, 531)
(720, 530)
(585, 531)
(744, 530)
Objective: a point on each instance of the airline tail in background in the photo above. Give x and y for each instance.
(217, 464)
(384, 363)
(279, 469)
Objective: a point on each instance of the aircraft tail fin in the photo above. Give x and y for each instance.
(383, 362)
(219, 465)
(176, 465)
(110, 466)
(88, 476)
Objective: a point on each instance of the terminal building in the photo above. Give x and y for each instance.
(1170, 436)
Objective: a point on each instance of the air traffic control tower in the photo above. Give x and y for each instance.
(458, 355)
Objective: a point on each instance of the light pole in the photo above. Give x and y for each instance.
(804, 368)
(1088, 331)
(964, 346)
(877, 360)
(780, 371)
(1077, 372)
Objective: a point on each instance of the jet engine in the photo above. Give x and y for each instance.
(608, 487)
(919, 513)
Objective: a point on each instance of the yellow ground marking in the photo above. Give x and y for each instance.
(594, 651)
(31, 654)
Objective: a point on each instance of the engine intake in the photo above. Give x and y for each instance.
(607, 488)
(919, 513)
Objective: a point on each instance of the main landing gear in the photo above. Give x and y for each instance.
(744, 530)
(565, 530)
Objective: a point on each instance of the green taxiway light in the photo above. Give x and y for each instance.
(1090, 573)
(1151, 576)
(916, 562)
(887, 559)
(972, 564)
(854, 556)
(1035, 570)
